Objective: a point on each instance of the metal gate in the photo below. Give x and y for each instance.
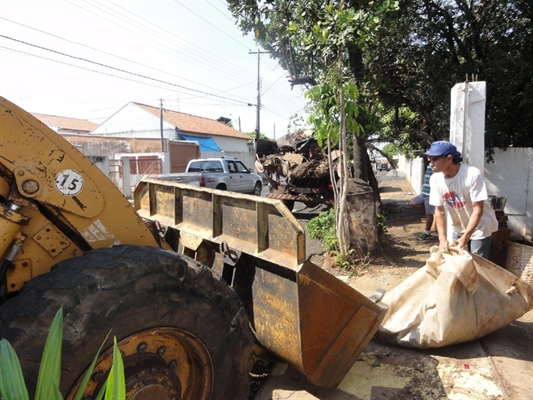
(140, 167)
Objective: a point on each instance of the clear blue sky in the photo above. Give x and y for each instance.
(86, 59)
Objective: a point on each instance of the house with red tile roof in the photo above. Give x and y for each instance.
(142, 121)
(66, 124)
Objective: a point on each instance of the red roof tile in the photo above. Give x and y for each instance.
(73, 124)
(187, 123)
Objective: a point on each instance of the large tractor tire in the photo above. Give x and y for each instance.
(181, 329)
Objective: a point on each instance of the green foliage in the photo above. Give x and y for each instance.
(352, 264)
(251, 135)
(405, 56)
(390, 149)
(12, 385)
(296, 122)
(326, 112)
(382, 227)
(50, 368)
(11, 380)
(116, 385)
(430, 46)
(322, 228)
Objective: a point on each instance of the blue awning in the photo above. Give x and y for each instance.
(206, 143)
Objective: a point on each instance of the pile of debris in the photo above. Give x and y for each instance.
(291, 159)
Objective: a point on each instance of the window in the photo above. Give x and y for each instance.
(213, 166)
(195, 166)
(241, 167)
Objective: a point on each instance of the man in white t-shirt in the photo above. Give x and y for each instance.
(460, 190)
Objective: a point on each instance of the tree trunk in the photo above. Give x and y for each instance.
(363, 232)
(364, 202)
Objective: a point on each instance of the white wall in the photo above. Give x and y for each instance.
(133, 121)
(510, 176)
(229, 144)
(414, 172)
(246, 158)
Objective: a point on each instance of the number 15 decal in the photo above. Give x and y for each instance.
(69, 182)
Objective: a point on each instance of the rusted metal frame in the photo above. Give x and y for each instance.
(263, 209)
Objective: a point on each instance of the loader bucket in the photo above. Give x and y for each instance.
(298, 311)
(318, 324)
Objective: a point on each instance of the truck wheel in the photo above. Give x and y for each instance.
(258, 189)
(182, 330)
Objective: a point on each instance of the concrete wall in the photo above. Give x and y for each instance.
(102, 162)
(91, 145)
(510, 176)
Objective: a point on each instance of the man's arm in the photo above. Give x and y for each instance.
(477, 213)
(440, 222)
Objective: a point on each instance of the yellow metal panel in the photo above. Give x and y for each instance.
(51, 239)
(18, 274)
(51, 171)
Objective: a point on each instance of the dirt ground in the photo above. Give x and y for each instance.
(498, 366)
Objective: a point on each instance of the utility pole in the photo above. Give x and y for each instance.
(161, 125)
(258, 118)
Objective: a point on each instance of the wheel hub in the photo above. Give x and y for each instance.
(160, 363)
(148, 377)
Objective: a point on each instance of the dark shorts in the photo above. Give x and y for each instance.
(424, 199)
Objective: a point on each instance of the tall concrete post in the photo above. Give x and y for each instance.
(467, 122)
(467, 126)
(126, 176)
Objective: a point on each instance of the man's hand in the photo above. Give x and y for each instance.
(463, 243)
(477, 212)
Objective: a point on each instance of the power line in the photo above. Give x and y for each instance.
(103, 52)
(276, 81)
(224, 15)
(220, 30)
(121, 70)
(146, 26)
(112, 13)
(206, 56)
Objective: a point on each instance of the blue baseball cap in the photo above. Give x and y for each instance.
(442, 148)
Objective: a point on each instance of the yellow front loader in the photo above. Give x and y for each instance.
(191, 281)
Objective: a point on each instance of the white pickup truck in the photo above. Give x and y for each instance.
(226, 173)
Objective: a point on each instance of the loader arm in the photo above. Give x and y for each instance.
(55, 203)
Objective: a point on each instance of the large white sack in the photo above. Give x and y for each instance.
(455, 298)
